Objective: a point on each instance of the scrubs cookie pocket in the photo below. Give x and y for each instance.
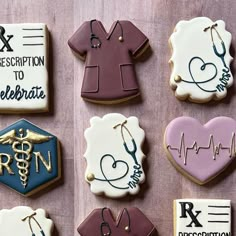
(128, 77)
(91, 79)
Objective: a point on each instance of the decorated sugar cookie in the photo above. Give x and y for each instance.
(130, 221)
(23, 68)
(29, 158)
(24, 221)
(200, 60)
(114, 155)
(107, 78)
(199, 151)
(202, 217)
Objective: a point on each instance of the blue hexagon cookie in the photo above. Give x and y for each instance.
(29, 158)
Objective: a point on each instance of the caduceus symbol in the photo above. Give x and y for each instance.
(23, 146)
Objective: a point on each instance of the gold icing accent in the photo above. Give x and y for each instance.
(177, 78)
(6, 164)
(23, 158)
(30, 218)
(23, 154)
(90, 177)
(183, 149)
(48, 165)
(31, 136)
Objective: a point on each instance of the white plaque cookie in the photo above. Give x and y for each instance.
(202, 217)
(23, 68)
(200, 60)
(24, 221)
(114, 155)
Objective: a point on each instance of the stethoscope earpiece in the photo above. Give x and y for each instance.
(92, 38)
(30, 218)
(218, 54)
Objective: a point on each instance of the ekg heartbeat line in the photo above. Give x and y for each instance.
(183, 150)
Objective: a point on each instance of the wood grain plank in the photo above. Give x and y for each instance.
(158, 106)
(70, 202)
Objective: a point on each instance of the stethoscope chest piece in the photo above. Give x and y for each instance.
(95, 41)
(94, 38)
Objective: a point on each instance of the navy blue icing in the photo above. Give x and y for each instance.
(35, 180)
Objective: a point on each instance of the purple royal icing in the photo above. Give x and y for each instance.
(206, 149)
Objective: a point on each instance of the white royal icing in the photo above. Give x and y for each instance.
(105, 143)
(195, 59)
(23, 67)
(11, 223)
(202, 217)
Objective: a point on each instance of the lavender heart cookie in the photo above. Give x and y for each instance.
(199, 151)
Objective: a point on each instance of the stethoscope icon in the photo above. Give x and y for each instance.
(95, 41)
(30, 218)
(105, 228)
(131, 152)
(218, 54)
(94, 37)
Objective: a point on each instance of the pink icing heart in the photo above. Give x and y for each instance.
(201, 151)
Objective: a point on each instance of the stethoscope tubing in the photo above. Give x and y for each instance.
(132, 153)
(30, 218)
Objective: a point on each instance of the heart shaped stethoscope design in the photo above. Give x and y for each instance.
(204, 66)
(222, 82)
(114, 166)
(137, 172)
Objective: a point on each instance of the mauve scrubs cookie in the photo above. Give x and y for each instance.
(130, 221)
(109, 75)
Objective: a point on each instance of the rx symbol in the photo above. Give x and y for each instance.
(187, 209)
(5, 40)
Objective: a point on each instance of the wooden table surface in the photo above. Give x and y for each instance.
(69, 202)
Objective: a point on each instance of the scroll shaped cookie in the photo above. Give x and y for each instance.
(114, 155)
(130, 221)
(24, 221)
(200, 60)
(109, 75)
(199, 151)
(202, 217)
